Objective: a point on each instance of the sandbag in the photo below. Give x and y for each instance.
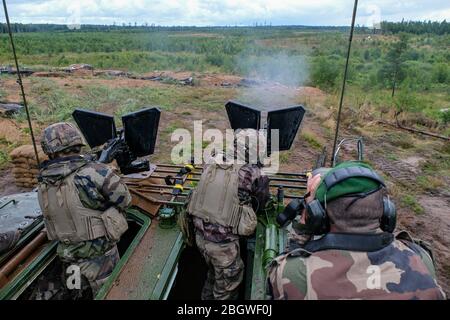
(27, 151)
(25, 168)
(28, 177)
(25, 171)
(21, 162)
(32, 181)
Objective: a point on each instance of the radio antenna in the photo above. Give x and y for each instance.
(19, 81)
(338, 121)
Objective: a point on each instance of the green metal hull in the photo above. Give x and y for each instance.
(148, 268)
(157, 270)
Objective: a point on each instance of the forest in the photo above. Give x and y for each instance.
(386, 27)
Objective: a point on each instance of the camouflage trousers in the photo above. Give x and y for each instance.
(225, 269)
(55, 284)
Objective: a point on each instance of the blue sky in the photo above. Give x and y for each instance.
(231, 12)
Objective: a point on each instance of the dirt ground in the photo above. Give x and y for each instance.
(433, 225)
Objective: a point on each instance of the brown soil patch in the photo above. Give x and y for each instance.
(413, 162)
(12, 90)
(311, 91)
(118, 82)
(88, 77)
(218, 80)
(434, 227)
(11, 131)
(51, 74)
(400, 171)
(178, 75)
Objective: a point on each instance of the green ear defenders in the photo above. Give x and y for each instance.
(316, 217)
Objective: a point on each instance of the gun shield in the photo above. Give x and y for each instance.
(97, 128)
(141, 130)
(287, 121)
(242, 116)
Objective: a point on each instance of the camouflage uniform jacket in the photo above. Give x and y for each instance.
(98, 188)
(394, 272)
(253, 189)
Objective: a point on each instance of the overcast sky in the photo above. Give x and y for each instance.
(225, 12)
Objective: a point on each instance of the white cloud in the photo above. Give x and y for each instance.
(231, 12)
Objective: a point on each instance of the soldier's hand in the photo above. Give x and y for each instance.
(311, 187)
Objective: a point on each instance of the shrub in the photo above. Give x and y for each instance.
(441, 73)
(445, 116)
(325, 72)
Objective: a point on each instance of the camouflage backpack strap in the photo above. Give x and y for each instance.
(416, 245)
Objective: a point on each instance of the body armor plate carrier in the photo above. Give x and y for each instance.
(66, 219)
(215, 200)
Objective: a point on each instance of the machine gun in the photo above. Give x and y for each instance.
(136, 139)
(269, 239)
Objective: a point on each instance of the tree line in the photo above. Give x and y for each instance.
(416, 27)
(31, 27)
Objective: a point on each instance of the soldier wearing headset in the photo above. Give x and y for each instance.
(346, 248)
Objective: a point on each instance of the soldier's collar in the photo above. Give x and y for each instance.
(362, 242)
(47, 163)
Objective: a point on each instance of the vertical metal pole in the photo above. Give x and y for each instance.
(345, 80)
(19, 81)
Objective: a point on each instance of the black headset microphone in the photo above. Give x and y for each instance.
(316, 217)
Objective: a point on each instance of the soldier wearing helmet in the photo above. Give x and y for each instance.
(83, 203)
(352, 251)
(224, 207)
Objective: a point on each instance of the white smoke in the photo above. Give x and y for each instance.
(276, 78)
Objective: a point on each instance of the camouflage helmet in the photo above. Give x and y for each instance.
(60, 136)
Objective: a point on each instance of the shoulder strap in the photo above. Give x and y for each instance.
(351, 242)
(345, 173)
(416, 245)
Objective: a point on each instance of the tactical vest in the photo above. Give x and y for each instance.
(65, 217)
(216, 200)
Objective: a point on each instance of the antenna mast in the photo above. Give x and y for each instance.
(345, 80)
(19, 81)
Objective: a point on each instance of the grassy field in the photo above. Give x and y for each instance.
(286, 55)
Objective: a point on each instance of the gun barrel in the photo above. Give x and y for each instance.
(271, 178)
(270, 246)
(288, 186)
(23, 254)
(175, 171)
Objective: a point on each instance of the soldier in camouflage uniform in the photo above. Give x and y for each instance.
(398, 268)
(217, 240)
(79, 197)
